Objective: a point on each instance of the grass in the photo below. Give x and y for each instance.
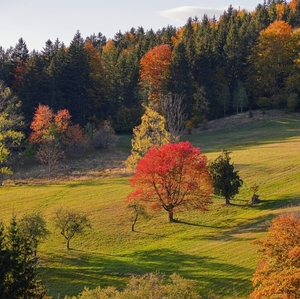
(214, 248)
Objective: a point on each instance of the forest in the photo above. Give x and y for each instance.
(242, 61)
(154, 87)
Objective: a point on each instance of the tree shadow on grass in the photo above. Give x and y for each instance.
(148, 234)
(73, 273)
(197, 224)
(279, 203)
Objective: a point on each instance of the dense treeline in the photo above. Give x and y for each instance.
(243, 60)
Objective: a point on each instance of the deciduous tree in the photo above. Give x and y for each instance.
(271, 59)
(278, 272)
(154, 69)
(54, 134)
(137, 210)
(173, 176)
(226, 181)
(42, 121)
(71, 222)
(152, 131)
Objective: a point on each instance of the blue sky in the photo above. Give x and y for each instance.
(39, 20)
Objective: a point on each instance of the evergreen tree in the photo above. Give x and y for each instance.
(77, 81)
(11, 126)
(224, 97)
(180, 79)
(20, 51)
(226, 181)
(21, 276)
(4, 257)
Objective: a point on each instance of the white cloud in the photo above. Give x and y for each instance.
(182, 13)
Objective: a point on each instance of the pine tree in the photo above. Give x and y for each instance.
(21, 277)
(77, 81)
(11, 125)
(180, 80)
(226, 181)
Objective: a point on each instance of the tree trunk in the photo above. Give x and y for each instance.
(170, 212)
(68, 244)
(134, 222)
(227, 201)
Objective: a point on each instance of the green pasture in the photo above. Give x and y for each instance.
(214, 248)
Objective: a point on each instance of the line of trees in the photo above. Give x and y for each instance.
(242, 60)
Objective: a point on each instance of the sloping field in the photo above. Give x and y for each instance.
(214, 248)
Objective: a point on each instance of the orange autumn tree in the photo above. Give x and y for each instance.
(173, 176)
(67, 132)
(278, 273)
(42, 121)
(59, 125)
(154, 70)
(293, 5)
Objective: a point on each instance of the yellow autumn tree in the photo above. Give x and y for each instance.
(271, 59)
(151, 131)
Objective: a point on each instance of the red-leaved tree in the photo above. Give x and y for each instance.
(278, 272)
(172, 176)
(59, 125)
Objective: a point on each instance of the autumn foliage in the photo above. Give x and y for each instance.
(46, 123)
(272, 58)
(42, 121)
(154, 69)
(278, 273)
(172, 176)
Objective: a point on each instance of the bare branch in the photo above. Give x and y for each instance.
(172, 108)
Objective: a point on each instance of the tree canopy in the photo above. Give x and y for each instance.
(172, 176)
(253, 53)
(278, 272)
(226, 181)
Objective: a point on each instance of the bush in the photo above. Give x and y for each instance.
(103, 137)
(152, 285)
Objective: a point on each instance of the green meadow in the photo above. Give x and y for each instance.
(214, 248)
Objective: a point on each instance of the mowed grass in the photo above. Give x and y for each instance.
(215, 248)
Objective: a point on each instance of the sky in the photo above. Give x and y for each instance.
(36, 21)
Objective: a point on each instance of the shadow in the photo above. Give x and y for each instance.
(199, 225)
(70, 274)
(147, 234)
(279, 203)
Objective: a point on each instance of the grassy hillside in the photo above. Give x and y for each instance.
(214, 248)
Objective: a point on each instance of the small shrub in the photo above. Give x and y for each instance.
(152, 285)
